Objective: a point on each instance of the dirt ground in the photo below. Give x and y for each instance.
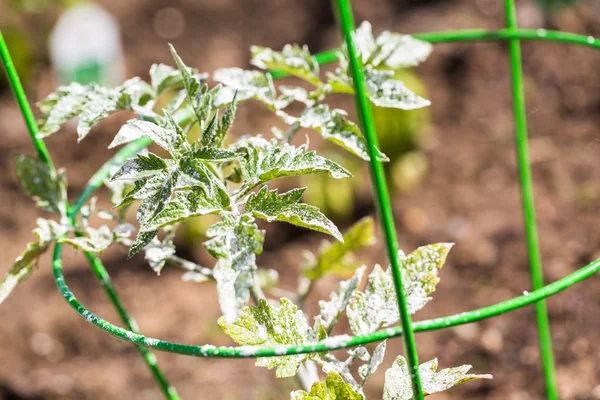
(470, 196)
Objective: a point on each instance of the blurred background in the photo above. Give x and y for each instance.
(453, 175)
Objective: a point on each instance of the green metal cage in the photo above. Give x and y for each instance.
(130, 332)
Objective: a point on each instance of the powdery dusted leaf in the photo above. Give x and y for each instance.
(134, 95)
(236, 241)
(264, 161)
(194, 172)
(47, 232)
(392, 50)
(398, 385)
(216, 130)
(376, 307)
(191, 82)
(336, 127)
(196, 92)
(289, 94)
(334, 388)
(60, 106)
(92, 104)
(163, 77)
(215, 154)
(45, 185)
(293, 60)
(242, 85)
(420, 271)
(286, 207)
(368, 369)
(141, 241)
(187, 203)
(143, 166)
(383, 91)
(386, 92)
(155, 194)
(170, 138)
(96, 241)
(158, 252)
(332, 310)
(337, 257)
(270, 326)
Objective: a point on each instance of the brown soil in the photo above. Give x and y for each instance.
(470, 197)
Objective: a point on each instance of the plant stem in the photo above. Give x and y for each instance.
(537, 276)
(191, 266)
(345, 22)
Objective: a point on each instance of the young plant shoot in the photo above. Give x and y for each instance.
(234, 178)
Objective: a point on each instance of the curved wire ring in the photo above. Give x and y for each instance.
(341, 341)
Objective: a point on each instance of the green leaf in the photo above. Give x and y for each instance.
(392, 50)
(45, 185)
(164, 77)
(264, 161)
(223, 126)
(243, 85)
(335, 126)
(236, 241)
(194, 172)
(155, 195)
(140, 167)
(270, 326)
(293, 60)
(141, 241)
(331, 310)
(187, 203)
(334, 388)
(213, 154)
(397, 384)
(286, 207)
(47, 232)
(191, 82)
(336, 257)
(196, 93)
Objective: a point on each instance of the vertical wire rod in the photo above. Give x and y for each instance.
(345, 22)
(535, 262)
(21, 97)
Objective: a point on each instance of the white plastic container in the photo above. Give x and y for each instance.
(85, 46)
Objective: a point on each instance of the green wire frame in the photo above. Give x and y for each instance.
(142, 342)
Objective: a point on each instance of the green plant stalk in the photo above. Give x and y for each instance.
(150, 359)
(345, 22)
(21, 97)
(535, 261)
(95, 263)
